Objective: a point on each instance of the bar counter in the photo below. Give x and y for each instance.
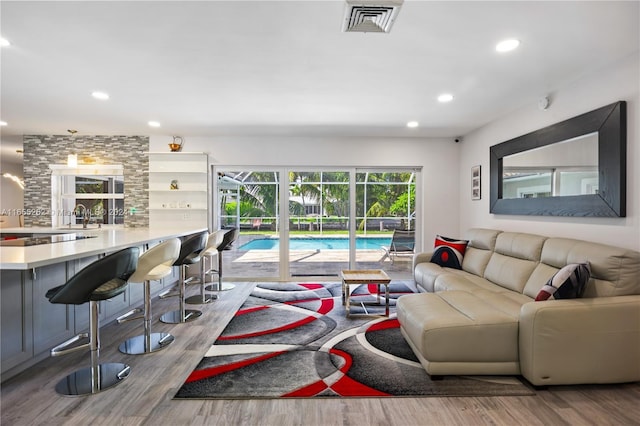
(30, 326)
(103, 240)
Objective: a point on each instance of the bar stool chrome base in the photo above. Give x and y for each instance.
(200, 299)
(139, 345)
(91, 380)
(218, 287)
(177, 317)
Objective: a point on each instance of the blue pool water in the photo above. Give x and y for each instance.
(316, 243)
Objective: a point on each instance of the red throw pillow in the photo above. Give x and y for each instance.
(449, 252)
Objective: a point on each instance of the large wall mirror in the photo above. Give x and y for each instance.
(573, 168)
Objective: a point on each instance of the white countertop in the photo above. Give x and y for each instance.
(107, 240)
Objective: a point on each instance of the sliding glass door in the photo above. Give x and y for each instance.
(249, 201)
(318, 223)
(334, 219)
(385, 218)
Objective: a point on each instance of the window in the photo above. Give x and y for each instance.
(92, 194)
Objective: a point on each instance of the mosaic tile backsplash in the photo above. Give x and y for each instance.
(42, 150)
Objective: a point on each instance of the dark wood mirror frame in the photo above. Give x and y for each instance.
(611, 124)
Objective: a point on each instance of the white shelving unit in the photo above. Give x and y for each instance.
(178, 188)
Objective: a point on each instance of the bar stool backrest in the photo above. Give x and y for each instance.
(213, 242)
(229, 237)
(115, 266)
(190, 249)
(165, 253)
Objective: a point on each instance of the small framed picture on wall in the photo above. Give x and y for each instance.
(475, 183)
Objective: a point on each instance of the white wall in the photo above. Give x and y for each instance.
(437, 157)
(589, 93)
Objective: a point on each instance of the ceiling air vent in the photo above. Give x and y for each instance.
(373, 16)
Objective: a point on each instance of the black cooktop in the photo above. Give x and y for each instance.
(46, 239)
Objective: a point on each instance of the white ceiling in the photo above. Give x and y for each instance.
(214, 68)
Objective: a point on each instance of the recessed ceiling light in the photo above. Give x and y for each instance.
(507, 45)
(4, 42)
(445, 97)
(100, 95)
(412, 124)
(153, 124)
(3, 123)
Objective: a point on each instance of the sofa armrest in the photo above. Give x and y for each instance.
(422, 258)
(595, 340)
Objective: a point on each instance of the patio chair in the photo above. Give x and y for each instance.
(402, 243)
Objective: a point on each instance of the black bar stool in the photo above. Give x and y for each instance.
(154, 264)
(101, 280)
(229, 237)
(210, 251)
(189, 255)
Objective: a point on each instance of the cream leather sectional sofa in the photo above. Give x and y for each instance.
(483, 320)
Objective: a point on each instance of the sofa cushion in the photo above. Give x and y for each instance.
(475, 260)
(514, 259)
(538, 278)
(481, 245)
(568, 283)
(520, 245)
(506, 301)
(456, 326)
(425, 275)
(448, 252)
(509, 272)
(448, 282)
(483, 239)
(463, 281)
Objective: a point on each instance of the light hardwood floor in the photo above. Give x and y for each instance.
(145, 398)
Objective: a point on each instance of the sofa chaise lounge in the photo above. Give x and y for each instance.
(483, 319)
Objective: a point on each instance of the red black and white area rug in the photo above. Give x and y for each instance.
(294, 341)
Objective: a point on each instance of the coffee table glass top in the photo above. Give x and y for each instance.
(365, 276)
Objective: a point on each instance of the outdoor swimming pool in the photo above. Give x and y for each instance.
(316, 243)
